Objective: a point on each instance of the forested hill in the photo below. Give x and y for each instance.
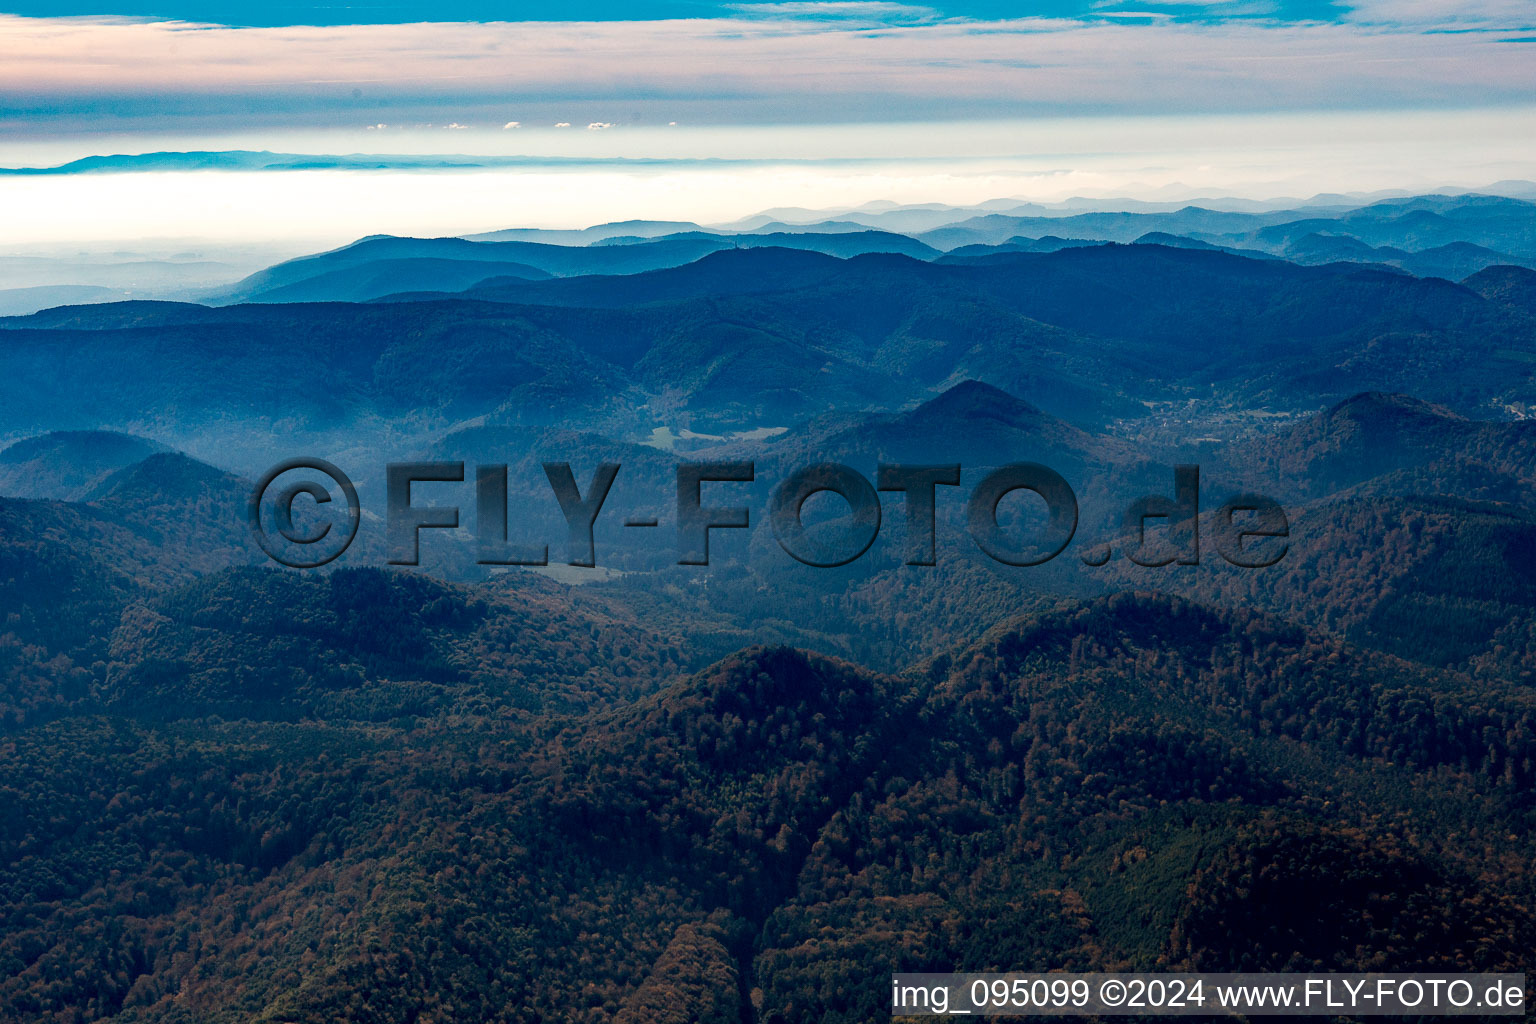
(1092, 787)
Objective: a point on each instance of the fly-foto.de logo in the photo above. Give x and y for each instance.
(1247, 530)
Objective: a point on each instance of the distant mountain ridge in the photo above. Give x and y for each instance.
(1443, 235)
(765, 336)
(515, 258)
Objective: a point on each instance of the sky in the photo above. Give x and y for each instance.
(708, 111)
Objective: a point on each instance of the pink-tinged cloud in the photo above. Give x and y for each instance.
(65, 72)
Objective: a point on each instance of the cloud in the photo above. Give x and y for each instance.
(60, 75)
(597, 126)
(1209, 8)
(1421, 15)
(511, 124)
(865, 11)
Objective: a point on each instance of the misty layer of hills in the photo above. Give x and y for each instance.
(748, 792)
(1443, 235)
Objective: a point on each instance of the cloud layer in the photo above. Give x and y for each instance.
(785, 63)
